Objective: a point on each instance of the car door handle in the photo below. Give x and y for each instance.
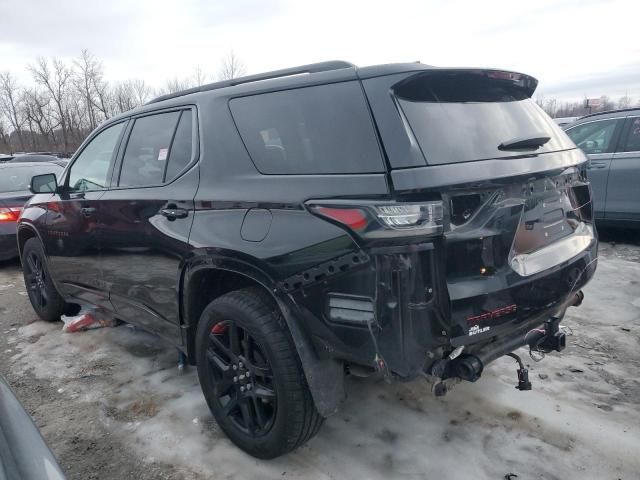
(173, 213)
(594, 165)
(88, 211)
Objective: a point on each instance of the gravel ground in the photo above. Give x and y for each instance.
(112, 404)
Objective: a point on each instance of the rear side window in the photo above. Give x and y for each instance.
(312, 130)
(148, 150)
(594, 137)
(633, 140)
(181, 148)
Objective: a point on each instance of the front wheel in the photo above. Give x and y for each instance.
(44, 298)
(251, 375)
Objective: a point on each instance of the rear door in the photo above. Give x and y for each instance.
(148, 212)
(623, 186)
(71, 237)
(598, 139)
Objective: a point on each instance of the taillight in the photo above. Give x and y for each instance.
(9, 214)
(377, 220)
(353, 218)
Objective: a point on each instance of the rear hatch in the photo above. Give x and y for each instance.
(517, 206)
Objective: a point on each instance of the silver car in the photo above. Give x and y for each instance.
(612, 142)
(23, 453)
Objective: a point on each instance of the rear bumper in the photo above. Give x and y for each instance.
(8, 241)
(417, 315)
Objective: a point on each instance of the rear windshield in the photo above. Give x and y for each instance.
(18, 179)
(311, 130)
(461, 117)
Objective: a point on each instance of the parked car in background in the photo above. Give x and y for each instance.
(611, 140)
(562, 121)
(287, 228)
(5, 158)
(23, 453)
(33, 157)
(15, 179)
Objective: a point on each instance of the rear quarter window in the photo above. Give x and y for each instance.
(313, 130)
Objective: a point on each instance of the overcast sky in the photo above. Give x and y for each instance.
(574, 47)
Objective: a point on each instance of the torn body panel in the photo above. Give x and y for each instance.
(411, 305)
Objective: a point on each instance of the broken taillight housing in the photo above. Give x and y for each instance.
(9, 214)
(378, 220)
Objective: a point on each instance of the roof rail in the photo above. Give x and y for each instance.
(285, 72)
(630, 109)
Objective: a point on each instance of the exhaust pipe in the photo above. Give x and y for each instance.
(576, 301)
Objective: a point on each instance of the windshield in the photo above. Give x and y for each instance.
(466, 116)
(18, 179)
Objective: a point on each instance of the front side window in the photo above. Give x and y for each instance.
(633, 139)
(594, 137)
(91, 168)
(310, 130)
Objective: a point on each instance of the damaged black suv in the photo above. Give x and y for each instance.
(286, 229)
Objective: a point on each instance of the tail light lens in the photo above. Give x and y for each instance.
(385, 220)
(9, 214)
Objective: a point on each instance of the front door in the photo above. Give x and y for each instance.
(623, 189)
(597, 139)
(71, 237)
(147, 217)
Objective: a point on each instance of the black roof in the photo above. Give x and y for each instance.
(330, 71)
(285, 72)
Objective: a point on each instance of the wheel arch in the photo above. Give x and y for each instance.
(208, 280)
(25, 232)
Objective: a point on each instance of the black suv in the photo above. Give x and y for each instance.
(286, 229)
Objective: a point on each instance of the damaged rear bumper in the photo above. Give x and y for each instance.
(516, 262)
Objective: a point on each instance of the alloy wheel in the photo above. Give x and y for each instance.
(243, 378)
(37, 280)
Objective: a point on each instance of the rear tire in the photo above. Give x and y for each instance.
(44, 298)
(251, 375)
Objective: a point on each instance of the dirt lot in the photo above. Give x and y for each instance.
(112, 404)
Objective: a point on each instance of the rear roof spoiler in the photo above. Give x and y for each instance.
(464, 85)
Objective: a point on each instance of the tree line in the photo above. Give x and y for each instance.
(66, 100)
(558, 109)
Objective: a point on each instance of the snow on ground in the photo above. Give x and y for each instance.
(582, 419)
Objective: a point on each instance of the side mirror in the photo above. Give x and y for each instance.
(46, 183)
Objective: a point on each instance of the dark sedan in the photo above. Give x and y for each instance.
(23, 453)
(14, 193)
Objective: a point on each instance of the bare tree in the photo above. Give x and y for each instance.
(173, 85)
(199, 77)
(87, 68)
(10, 104)
(57, 83)
(123, 98)
(551, 107)
(606, 104)
(39, 114)
(141, 91)
(625, 101)
(231, 67)
(4, 137)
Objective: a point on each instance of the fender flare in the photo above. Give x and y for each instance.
(324, 375)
